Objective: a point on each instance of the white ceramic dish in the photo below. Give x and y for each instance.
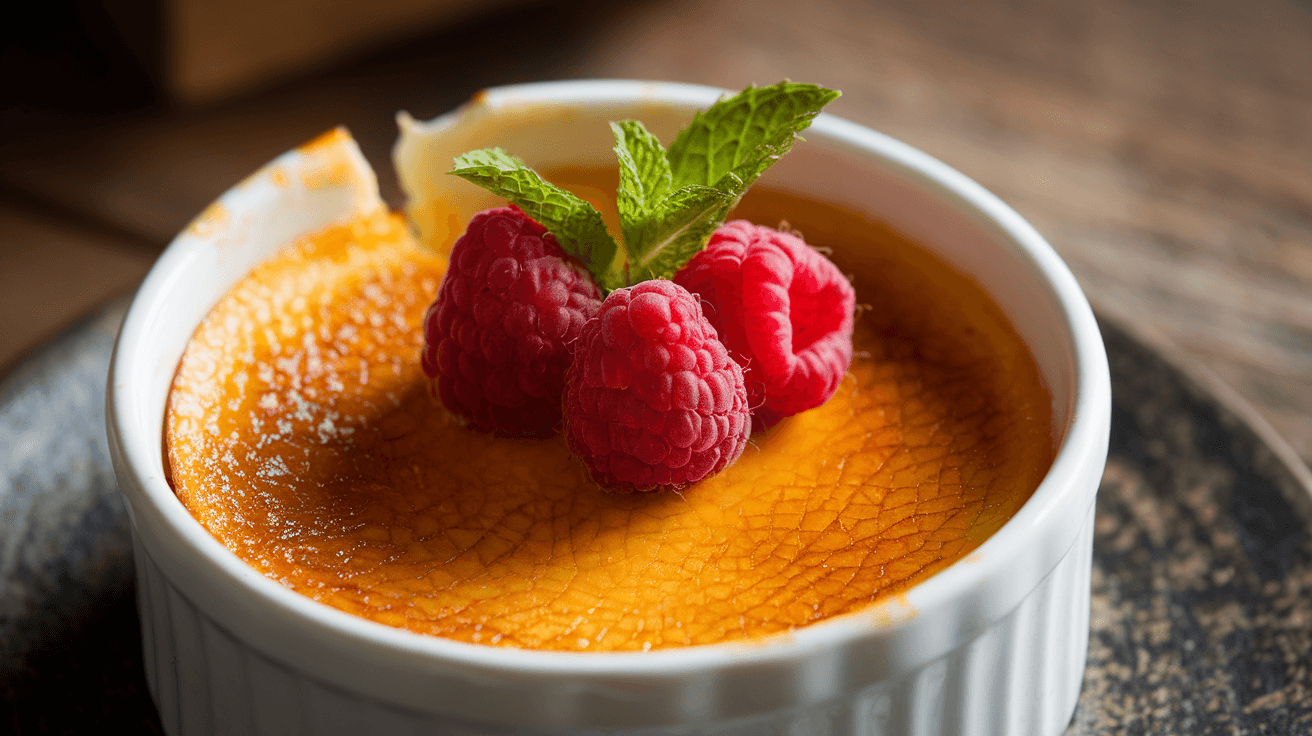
(993, 644)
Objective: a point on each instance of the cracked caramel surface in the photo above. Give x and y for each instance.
(301, 433)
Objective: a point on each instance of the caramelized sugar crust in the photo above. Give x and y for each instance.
(302, 434)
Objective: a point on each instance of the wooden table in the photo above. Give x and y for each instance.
(1164, 148)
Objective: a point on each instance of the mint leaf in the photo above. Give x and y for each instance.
(662, 230)
(673, 232)
(644, 171)
(671, 203)
(731, 144)
(577, 225)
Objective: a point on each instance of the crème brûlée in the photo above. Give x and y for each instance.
(301, 432)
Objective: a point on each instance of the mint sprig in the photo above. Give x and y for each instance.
(662, 229)
(731, 144)
(670, 202)
(577, 225)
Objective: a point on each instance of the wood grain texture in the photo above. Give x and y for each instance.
(217, 50)
(1164, 148)
(51, 273)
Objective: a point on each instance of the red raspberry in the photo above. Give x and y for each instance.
(653, 398)
(496, 340)
(783, 310)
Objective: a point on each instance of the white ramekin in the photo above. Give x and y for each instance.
(993, 644)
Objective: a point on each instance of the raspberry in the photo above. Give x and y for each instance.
(653, 399)
(496, 340)
(783, 310)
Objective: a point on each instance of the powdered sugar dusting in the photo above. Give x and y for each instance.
(281, 365)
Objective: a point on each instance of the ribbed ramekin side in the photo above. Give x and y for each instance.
(156, 636)
(1020, 676)
(206, 682)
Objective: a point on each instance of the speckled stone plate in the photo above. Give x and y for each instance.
(1202, 578)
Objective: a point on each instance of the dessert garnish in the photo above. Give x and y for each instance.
(782, 309)
(497, 337)
(496, 354)
(669, 201)
(652, 399)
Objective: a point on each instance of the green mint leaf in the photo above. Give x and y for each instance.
(671, 203)
(744, 134)
(644, 171)
(673, 232)
(577, 225)
(663, 230)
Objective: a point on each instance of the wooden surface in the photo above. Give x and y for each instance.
(1164, 148)
(217, 50)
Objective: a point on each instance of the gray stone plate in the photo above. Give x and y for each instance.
(1202, 581)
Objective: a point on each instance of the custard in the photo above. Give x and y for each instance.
(302, 434)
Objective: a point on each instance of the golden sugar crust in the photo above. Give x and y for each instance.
(301, 432)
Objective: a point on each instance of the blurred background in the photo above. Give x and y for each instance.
(1164, 148)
